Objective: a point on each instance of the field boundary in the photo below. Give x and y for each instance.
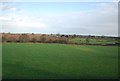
(70, 44)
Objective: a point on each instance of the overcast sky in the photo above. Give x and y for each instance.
(89, 18)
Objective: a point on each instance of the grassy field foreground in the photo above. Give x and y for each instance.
(58, 61)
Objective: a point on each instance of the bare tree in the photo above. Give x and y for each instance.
(24, 38)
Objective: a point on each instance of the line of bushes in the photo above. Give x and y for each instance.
(24, 38)
(49, 41)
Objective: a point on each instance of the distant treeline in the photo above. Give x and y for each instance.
(46, 38)
(40, 38)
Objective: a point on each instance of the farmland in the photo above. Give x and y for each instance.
(58, 61)
(101, 41)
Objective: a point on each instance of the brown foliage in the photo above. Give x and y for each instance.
(24, 38)
(32, 38)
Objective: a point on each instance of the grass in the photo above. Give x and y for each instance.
(58, 61)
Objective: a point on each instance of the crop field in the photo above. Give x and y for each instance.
(58, 61)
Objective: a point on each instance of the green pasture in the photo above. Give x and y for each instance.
(94, 41)
(58, 61)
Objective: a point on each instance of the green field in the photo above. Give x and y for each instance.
(58, 61)
(94, 41)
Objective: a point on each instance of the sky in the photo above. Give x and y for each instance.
(83, 18)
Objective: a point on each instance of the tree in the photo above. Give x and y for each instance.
(66, 36)
(43, 35)
(62, 35)
(24, 38)
(73, 36)
(32, 33)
